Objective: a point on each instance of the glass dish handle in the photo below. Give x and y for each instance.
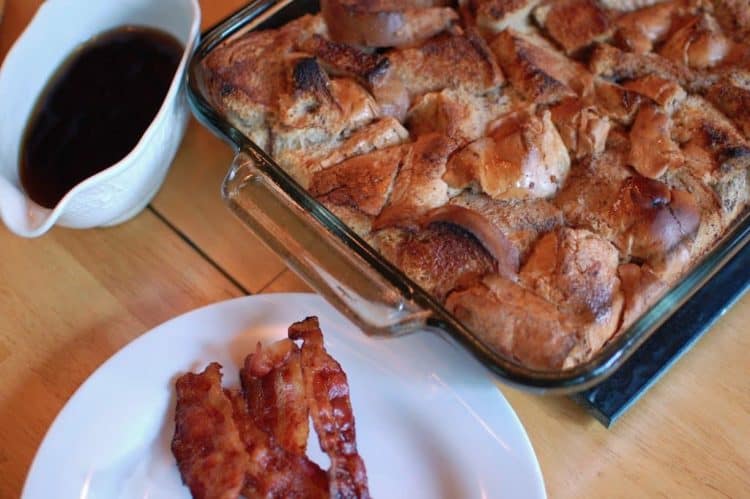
(322, 261)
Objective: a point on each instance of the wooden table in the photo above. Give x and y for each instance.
(71, 299)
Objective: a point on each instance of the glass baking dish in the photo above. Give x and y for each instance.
(351, 275)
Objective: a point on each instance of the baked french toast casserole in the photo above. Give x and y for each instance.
(546, 170)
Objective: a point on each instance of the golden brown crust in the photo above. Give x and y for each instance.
(493, 16)
(462, 116)
(449, 60)
(521, 221)
(493, 239)
(342, 58)
(731, 95)
(419, 185)
(515, 322)
(653, 219)
(637, 31)
(371, 23)
(524, 157)
(715, 152)
(610, 62)
(574, 24)
(644, 218)
(697, 44)
(577, 271)
(442, 257)
(245, 76)
(734, 18)
(536, 72)
(652, 150)
(362, 182)
(582, 127)
(616, 101)
(668, 94)
(641, 288)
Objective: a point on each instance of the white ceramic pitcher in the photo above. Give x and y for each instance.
(125, 188)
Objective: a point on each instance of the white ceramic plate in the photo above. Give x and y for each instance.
(430, 422)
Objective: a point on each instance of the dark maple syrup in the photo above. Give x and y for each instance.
(95, 109)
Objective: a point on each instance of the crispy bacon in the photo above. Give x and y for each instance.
(328, 397)
(206, 441)
(272, 472)
(275, 394)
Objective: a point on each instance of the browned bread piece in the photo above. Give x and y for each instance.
(361, 184)
(488, 234)
(442, 257)
(342, 58)
(245, 76)
(731, 95)
(385, 23)
(612, 63)
(419, 185)
(536, 70)
(652, 150)
(460, 115)
(667, 93)
(574, 24)
(574, 268)
(316, 116)
(523, 157)
(637, 31)
(369, 68)
(515, 322)
(734, 18)
(313, 101)
(641, 288)
(615, 101)
(380, 134)
(590, 190)
(449, 60)
(493, 16)
(577, 270)
(715, 152)
(714, 219)
(582, 127)
(643, 218)
(699, 43)
(651, 219)
(521, 221)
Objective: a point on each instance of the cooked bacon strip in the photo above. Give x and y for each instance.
(328, 396)
(272, 472)
(273, 386)
(206, 443)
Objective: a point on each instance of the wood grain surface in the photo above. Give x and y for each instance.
(71, 299)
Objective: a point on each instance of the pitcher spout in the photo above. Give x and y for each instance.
(22, 216)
